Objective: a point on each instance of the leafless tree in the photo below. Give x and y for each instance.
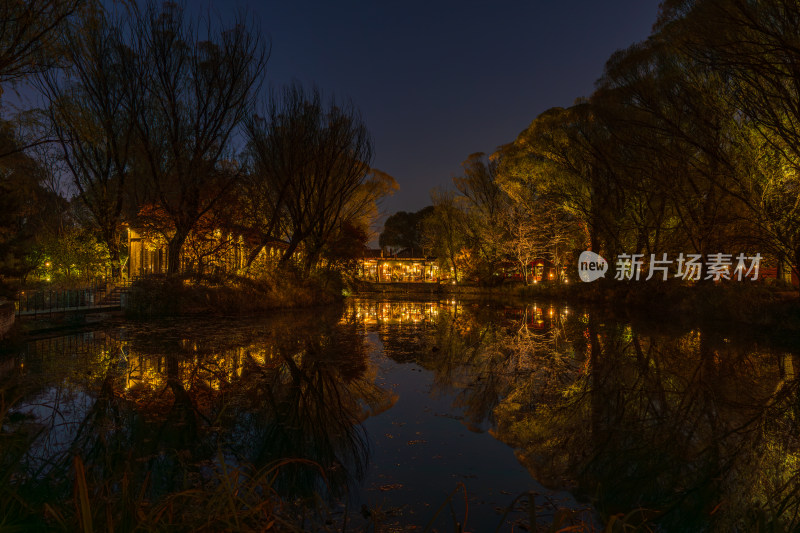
(200, 82)
(92, 111)
(310, 160)
(29, 31)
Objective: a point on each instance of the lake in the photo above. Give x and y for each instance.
(434, 414)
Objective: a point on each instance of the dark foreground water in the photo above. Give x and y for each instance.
(402, 415)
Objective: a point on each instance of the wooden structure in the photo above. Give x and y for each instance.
(403, 267)
(217, 251)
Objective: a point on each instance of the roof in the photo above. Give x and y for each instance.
(405, 254)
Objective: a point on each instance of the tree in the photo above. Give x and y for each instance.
(443, 232)
(524, 240)
(92, 113)
(562, 159)
(347, 243)
(680, 171)
(403, 230)
(199, 88)
(309, 164)
(753, 45)
(484, 203)
(29, 31)
(27, 209)
(71, 254)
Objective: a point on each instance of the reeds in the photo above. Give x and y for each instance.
(230, 499)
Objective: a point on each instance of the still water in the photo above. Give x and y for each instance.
(403, 415)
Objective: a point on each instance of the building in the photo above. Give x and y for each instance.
(144, 256)
(405, 266)
(208, 253)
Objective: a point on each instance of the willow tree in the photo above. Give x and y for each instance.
(753, 44)
(310, 162)
(443, 232)
(200, 84)
(676, 141)
(562, 160)
(92, 111)
(484, 204)
(29, 35)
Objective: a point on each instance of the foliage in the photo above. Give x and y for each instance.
(404, 230)
(443, 233)
(495, 216)
(483, 204)
(28, 208)
(686, 145)
(72, 255)
(223, 294)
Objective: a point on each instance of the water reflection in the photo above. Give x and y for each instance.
(158, 406)
(696, 428)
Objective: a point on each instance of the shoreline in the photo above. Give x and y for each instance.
(755, 306)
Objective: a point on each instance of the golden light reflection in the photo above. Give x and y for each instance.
(373, 313)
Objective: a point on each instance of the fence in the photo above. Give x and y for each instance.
(46, 302)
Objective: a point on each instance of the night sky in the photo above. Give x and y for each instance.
(436, 81)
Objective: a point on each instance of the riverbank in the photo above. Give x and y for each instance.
(151, 297)
(754, 304)
(733, 304)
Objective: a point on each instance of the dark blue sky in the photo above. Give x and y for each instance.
(436, 81)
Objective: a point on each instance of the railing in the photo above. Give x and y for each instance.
(49, 301)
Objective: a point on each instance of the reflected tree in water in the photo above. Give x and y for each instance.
(158, 410)
(695, 429)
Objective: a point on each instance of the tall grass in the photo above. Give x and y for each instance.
(231, 499)
(230, 295)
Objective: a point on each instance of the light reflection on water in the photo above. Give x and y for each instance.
(401, 402)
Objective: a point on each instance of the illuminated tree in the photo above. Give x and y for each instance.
(484, 203)
(562, 158)
(752, 45)
(443, 232)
